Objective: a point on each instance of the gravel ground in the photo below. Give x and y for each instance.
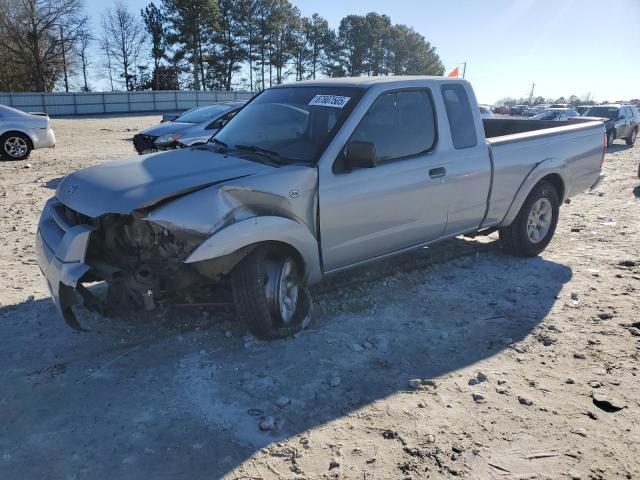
(452, 361)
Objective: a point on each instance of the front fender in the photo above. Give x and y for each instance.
(263, 229)
(546, 167)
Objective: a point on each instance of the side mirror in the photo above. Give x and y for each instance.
(360, 155)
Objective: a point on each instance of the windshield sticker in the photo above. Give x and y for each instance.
(335, 101)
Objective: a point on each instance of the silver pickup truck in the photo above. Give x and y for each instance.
(308, 179)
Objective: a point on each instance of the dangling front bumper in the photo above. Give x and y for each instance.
(61, 247)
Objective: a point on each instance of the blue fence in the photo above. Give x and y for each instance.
(80, 103)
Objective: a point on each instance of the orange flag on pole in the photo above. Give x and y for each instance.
(454, 73)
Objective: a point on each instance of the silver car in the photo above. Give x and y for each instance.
(21, 132)
(193, 127)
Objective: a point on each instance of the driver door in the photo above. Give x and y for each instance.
(401, 202)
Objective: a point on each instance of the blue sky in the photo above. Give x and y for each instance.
(563, 46)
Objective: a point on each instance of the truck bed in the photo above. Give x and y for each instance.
(500, 127)
(517, 148)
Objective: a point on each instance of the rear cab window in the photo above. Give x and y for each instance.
(459, 115)
(400, 124)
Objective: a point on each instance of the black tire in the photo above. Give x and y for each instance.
(249, 283)
(15, 146)
(611, 136)
(632, 138)
(515, 238)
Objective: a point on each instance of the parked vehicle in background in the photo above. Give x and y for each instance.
(621, 121)
(309, 179)
(502, 110)
(581, 108)
(556, 114)
(535, 110)
(193, 127)
(171, 117)
(485, 111)
(518, 109)
(560, 105)
(21, 132)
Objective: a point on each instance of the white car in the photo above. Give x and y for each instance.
(556, 114)
(21, 132)
(485, 111)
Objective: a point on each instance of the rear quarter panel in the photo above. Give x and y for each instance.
(573, 152)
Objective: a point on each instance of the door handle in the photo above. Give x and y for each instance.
(437, 172)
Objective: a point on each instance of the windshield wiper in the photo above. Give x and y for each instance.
(271, 154)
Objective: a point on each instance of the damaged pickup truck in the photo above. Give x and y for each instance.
(308, 179)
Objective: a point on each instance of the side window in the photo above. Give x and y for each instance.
(399, 124)
(463, 130)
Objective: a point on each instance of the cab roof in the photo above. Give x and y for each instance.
(365, 82)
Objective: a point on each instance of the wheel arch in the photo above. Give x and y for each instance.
(553, 173)
(242, 237)
(558, 183)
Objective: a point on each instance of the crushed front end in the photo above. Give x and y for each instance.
(141, 262)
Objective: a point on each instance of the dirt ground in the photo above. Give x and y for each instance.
(525, 362)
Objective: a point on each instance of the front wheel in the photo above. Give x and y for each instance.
(632, 138)
(533, 228)
(269, 293)
(15, 146)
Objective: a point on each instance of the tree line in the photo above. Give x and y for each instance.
(198, 45)
(586, 99)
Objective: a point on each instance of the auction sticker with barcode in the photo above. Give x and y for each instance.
(335, 101)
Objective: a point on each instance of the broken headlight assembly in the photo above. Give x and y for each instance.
(168, 140)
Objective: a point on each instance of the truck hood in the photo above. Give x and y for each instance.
(126, 185)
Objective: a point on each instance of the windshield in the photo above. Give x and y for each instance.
(606, 112)
(484, 110)
(203, 114)
(292, 123)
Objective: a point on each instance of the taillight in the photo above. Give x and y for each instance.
(604, 151)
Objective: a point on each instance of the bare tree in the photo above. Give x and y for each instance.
(38, 33)
(124, 37)
(85, 39)
(105, 45)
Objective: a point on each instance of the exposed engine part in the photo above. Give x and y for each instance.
(141, 262)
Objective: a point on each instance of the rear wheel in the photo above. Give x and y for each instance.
(632, 138)
(15, 146)
(533, 228)
(269, 293)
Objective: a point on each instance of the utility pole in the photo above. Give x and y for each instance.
(64, 61)
(533, 86)
(464, 69)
